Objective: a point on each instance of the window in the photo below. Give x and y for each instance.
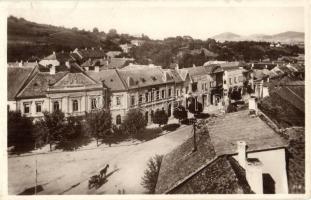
(147, 97)
(240, 78)
(55, 106)
(151, 96)
(187, 89)
(163, 94)
(157, 94)
(118, 100)
(202, 86)
(140, 98)
(118, 119)
(26, 108)
(38, 107)
(194, 87)
(75, 106)
(230, 81)
(177, 92)
(93, 103)
(169, 92)
(132, 100)
(235, 80)
(225, 82)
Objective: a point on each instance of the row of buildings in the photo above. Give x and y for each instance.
(78, 82)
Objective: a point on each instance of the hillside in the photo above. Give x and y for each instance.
(285, 37)
(26, 39)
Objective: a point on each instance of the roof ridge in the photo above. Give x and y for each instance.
(32, 74)
(123, 82)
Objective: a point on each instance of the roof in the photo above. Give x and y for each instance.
(62, 57)
(23, 64)
(182, 162)
(38, 85)
(295, 95)
(197, 71)
(175, 75)
(144, 75)
(94, 62)
(113, 53)
(209, 169)
(231, 65)
(117, 63)
(223, 176)
(17, 76)
(110, 77)
(237, 126)
(91, 53)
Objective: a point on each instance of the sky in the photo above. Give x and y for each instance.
(163, 20)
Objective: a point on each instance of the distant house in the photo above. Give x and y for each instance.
(137, 42)
(126, 47)
(112, 54)
(236, 153)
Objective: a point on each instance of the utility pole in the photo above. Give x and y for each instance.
(36, 173)
(194, 135)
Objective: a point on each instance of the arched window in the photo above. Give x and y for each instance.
(118, 119)
(75, 106)
(55, 106)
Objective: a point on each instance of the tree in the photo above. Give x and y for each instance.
(195, 107)
(150, 178)
(20, 132)
(180, 113)
(95, 30)
(54, 125)
(73, 136)
(236, 95)
(134, 122)
(99, 124)
(160, 117)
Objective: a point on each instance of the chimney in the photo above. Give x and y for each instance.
(67, 64)
(266, 66)
(86, 68)
(53, 52)
(92, 48)
(252, 105)
(100, 48)
(193, 65)
(254, 174)
(96, 69)
(85, 48)
(20, 64)
(52, 70)
(241, 149)
(176, 66)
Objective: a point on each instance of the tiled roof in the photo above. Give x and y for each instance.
(16, 79)
(144, 76)
(198, 71)
(94, 62)
(223, 176)
(176, 76)
(237, 126)
(117, 63)
(39, 84)
(294, 95)
(110, 77)
(182, 162)
(91, 53)
(207, 170)
(62, 57)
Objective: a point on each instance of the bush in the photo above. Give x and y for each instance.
(170, 127)
(180, 113)
(134, 122)
(160, 117)
(148, 134)
(150, 178)
(20, 132)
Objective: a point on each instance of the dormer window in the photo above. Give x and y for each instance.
(153, 78)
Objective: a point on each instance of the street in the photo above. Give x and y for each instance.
(69, 172)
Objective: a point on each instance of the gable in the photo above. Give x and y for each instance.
(74, 80)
